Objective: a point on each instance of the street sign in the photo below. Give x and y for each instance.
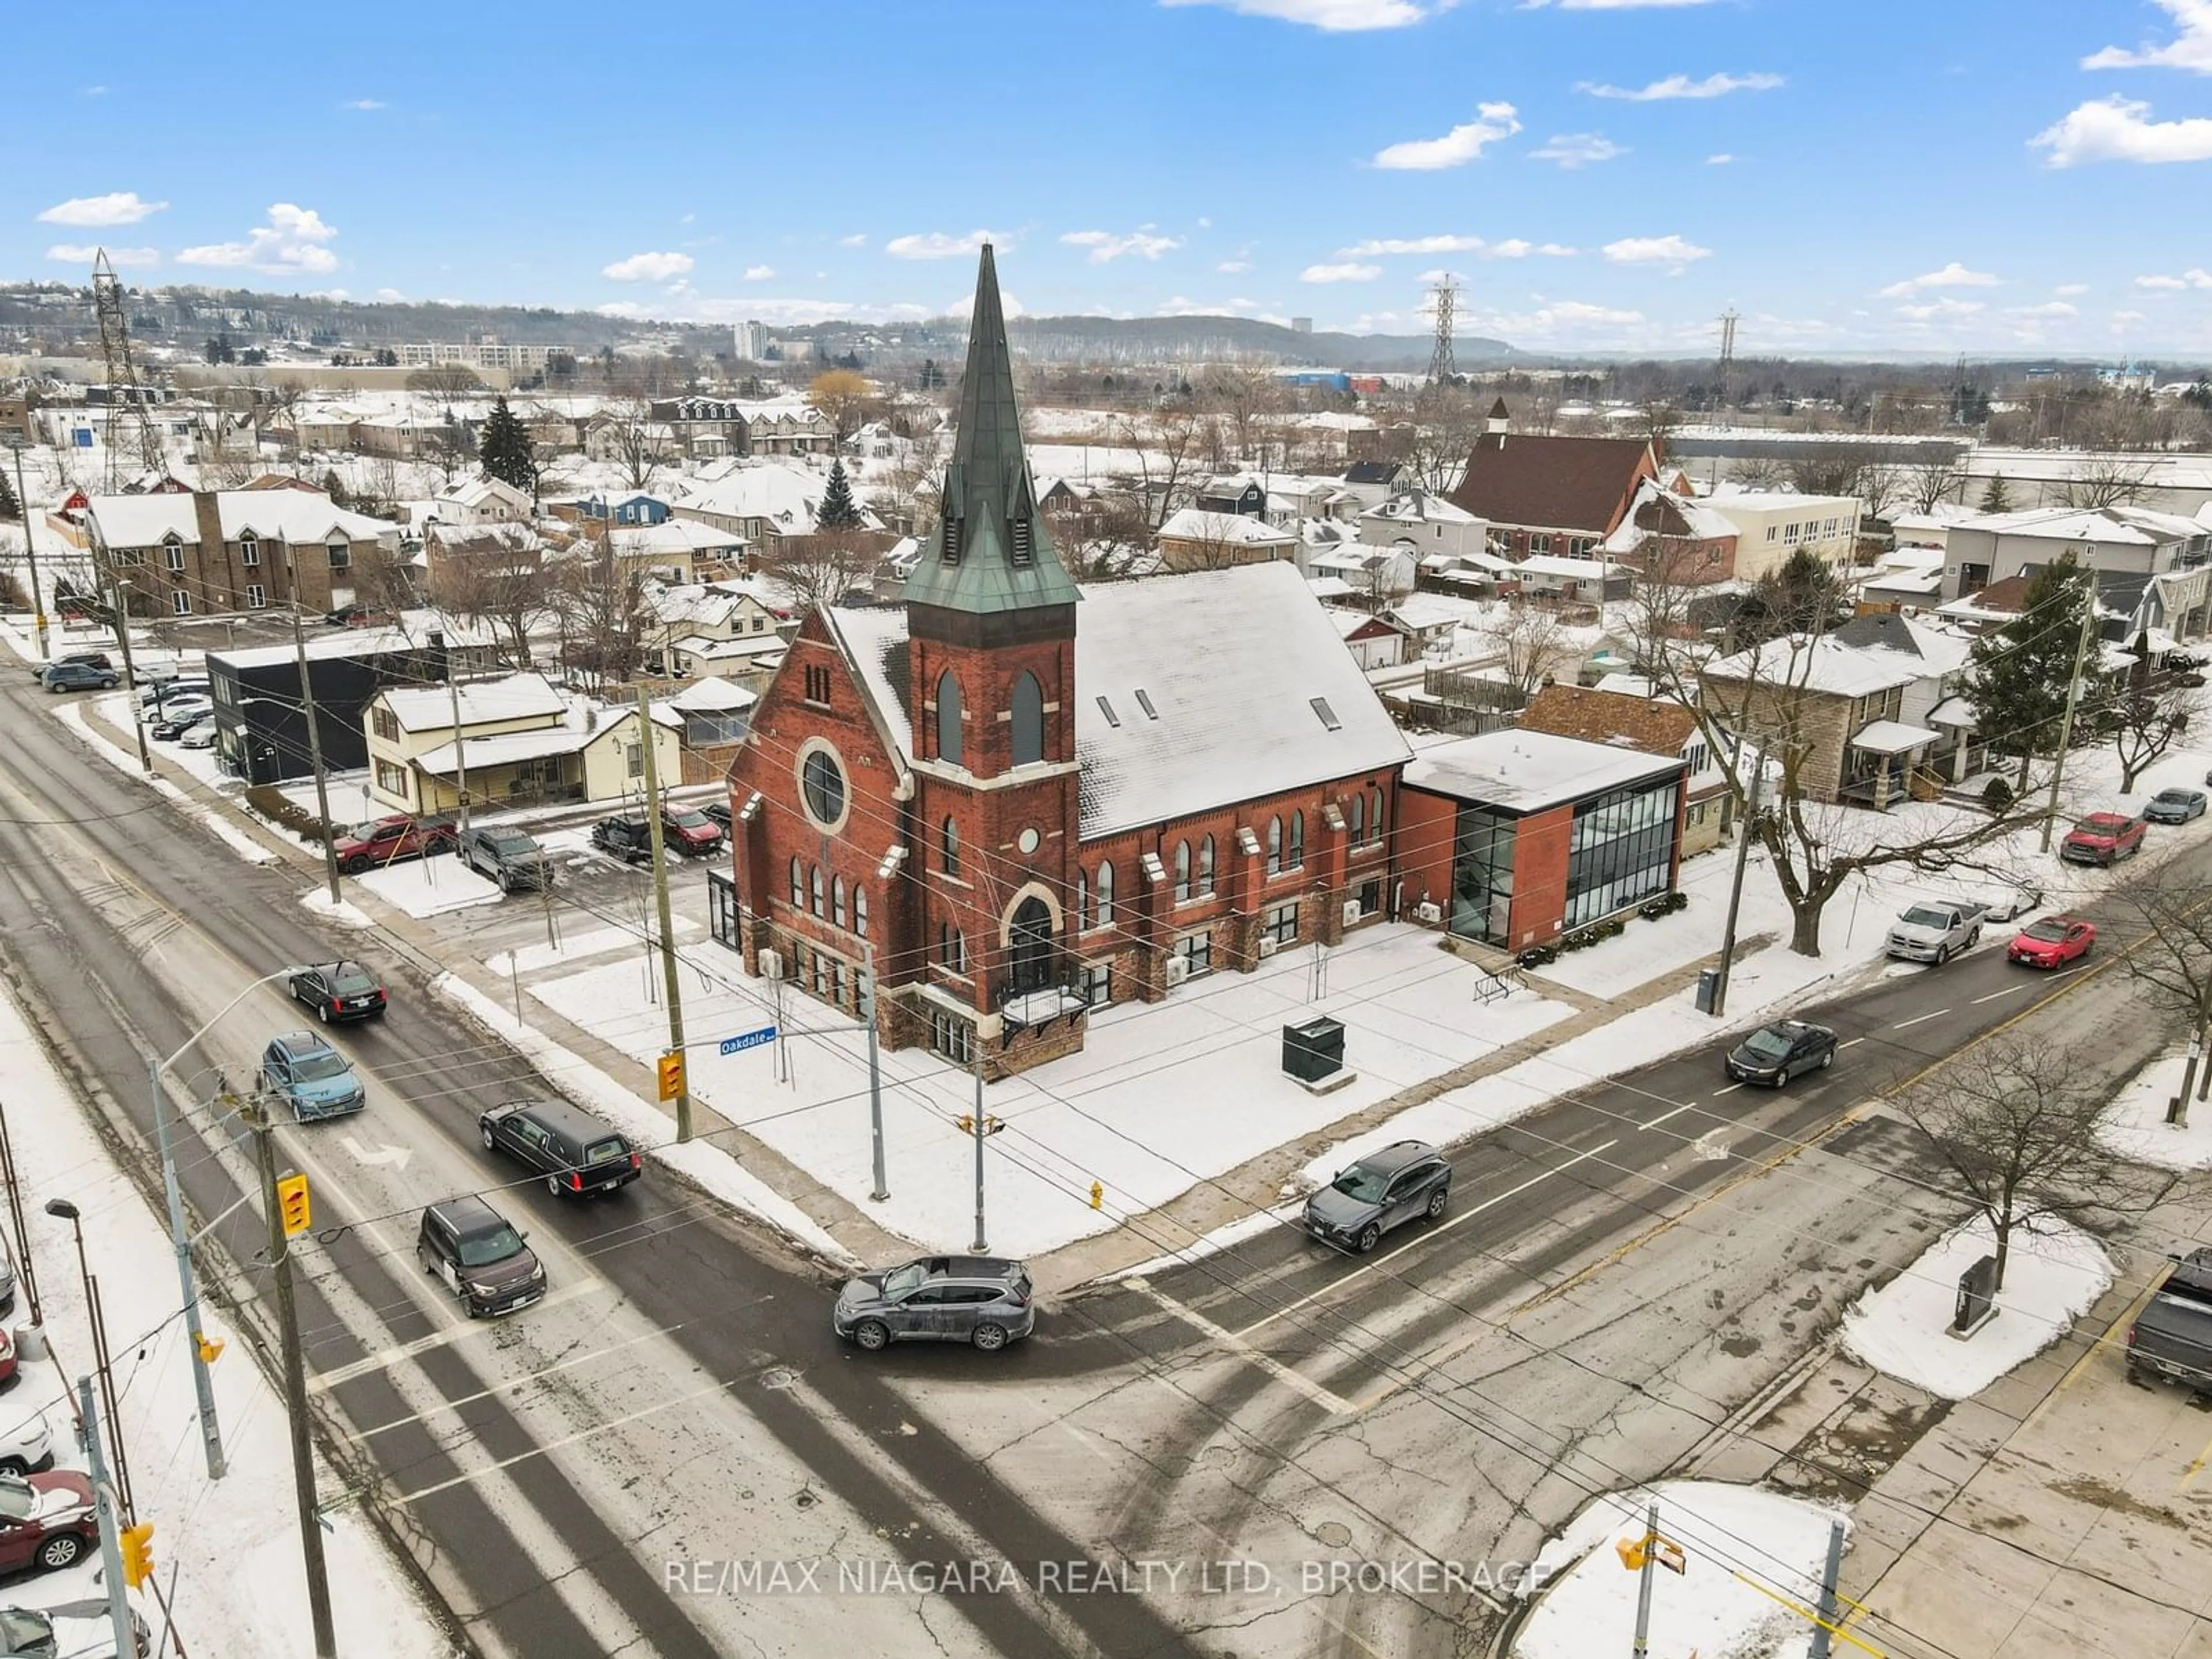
(748, 1040)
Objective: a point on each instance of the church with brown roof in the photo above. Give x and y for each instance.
(1552, 496)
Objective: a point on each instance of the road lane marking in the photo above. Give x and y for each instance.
(456, 1401)
(1730, 1090)
(1335, 1404)
(324, 1382)
(1851, 1042)
(1468, 1214)
(1919, 1020)
(1677, 1112)
(2008, 991)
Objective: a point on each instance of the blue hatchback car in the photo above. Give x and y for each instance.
(314, 1079)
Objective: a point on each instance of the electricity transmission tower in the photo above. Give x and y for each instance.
(1728, 320)
(1446, 297)
(124, 392)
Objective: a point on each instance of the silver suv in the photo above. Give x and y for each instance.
(985, 1300)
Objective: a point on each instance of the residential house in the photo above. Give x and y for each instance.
(1561, 496)
(1914, 528)
(1672, 539)
(1938, 700)
(1194, 539)
(627, 510)
(734, 630)
(461, 558)
(1379, 573)
(1373, 643)
(1426, 525)
(1655, 726)
(1239, 494)
(1430, 621)
(1904, 579)
(680, 550)
(206, 552)
(716, 713)
(1770, 525)
(762, 502)
(484, 500)
(510, 740)
(2171, 555)
(1842, 704)
(1371, 483)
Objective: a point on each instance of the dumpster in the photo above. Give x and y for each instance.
(1313, 1049)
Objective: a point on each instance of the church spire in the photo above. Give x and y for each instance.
(992, 552)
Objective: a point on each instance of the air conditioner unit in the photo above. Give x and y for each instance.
(1178, 971)
(771, 965)
(1352, 911)
(1269, 946)
(1431, 913)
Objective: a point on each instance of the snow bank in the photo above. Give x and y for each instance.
(2136, 1127)
(236, 839)
(430, 887)
(317, 900)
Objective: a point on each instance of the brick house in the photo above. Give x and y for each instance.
(1653, 725)
(1673, 538)
(1560, 496)
(1019, 818)
(206, 552)
(1842, 704)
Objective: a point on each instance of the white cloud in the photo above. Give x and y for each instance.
(1682, 86)
(81, 253)
(856, 240)
(1954, 275)
(1720, 160)
(1578, 150)
(122, 208)
(648, 268)
(290, 244)
(2048, 309)
(1233, 267)
(2071, 289)
(1343, 273)
(2196, 276)
(2122, 318)
(392, 296)
(1655, 251)
(1334, 16)
(1608, 5)
(1205, 223)
(759, 273)
(364, 104)
(1373, 245)
(1564, 322)
(1459, 146)
(2120, 129)
(94, 92)
(2190, 49)
(1105, 246)
(1945, 309)
(936, 244)
(1514, 248)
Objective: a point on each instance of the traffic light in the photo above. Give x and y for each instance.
(137, 1553)
(670, 1067)
(292, 1204)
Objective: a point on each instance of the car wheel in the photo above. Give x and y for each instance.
(1973, 939)
(872, 1335)
(60, 1551)
(989, 1337)
(1942, 954)
(423, 1257)
(483, 1131)
(1827, 1060)
(1367, 1236)
(353, 866)
(1781, 1079)
(553, 1186)
(323, 1012)
(1438, 1200)
(14, 1466)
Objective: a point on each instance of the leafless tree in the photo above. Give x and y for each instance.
(899, 493)
(1166, 443)
(820, 569)
(383, 579)
(1927, 483)
(494, 577)
(1447, 420)
(2105, 481)
(1759, 472)
(594, 603)
(2147, 717)
(444, 380)
(447, 447)
(630, 437)
(1880, 487)
(2016, 1124)
(1532, 639)
(844, 398)
(1244, 394)
(1102, 544)
(2174, 963)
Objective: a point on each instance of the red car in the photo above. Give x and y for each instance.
(2103, 838)
(386, 840)
(692, 834)
(47, 1520)
(2053, 941)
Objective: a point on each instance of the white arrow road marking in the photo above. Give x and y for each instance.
(396, 1155)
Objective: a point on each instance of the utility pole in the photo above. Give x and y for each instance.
(460, 759)
(202, 1384)
(103, 1498)
(119, 594)
(1643, 1647)
(1735, 885)
(2073, 701)
(295, 1387)
(982, 1245)
(31, 558)
(1824, 1619)
(661, 903)
(16, 1213)
(314, 730)
(882, 1189)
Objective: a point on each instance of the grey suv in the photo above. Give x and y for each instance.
(981, 1300)
(506, 856)
(480, 1255)
(1382, 1190)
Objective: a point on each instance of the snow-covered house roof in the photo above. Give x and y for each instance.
(1525, 771)
(1174, 712)
(474, 493)
(483, 703)
(1420, 507)
(1821, 664)
(1658, 511)
(1425, 612)
(712, 695)
(784, 496)
(675, 539)
(279, 515)
(1191, 523)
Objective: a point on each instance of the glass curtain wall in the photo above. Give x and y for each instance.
(1621, 851)
(1482, 875)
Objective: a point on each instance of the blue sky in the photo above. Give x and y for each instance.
(1851, 175)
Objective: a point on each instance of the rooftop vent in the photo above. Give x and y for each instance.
(1107, 709)
(1144, 702)
(1327, 715)
(1025, 552)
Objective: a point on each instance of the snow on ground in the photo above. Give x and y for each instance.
(72, 714)
(2137, 1128)
(241, 1588)
(236, 839)
(1589, 1605)
(430, 887)
(341, 915)
(1162, 1097)
(707, 1166)
(575, 947)
(2053, 1273)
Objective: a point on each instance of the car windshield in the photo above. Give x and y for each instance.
(513, 846)
(370, 831)
(2176, 797)
(1362, 1184)
(352, 981)
(317, 1068)
(901, 1280)
(2052, 930)
(2095, 827)
(1768, 1043)
(18, 1501)
(1921, 916)
(606, 1152)
(691, 820)
(485, 1248)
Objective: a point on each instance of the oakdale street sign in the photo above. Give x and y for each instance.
(748, 1040)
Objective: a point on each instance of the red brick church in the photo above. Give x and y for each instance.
(1024, 802)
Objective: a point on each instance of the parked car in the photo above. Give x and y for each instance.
(573, 1149)
(387, 839)
(1385, 1190)
(1936, 931)
(160, 692)
(7, 1282)
(2172, 1337)
(483, 1259)
(629, 838)
(200, 734)
(47, 1520)
(506, 856)
(1774, 1054)
(2175, 806)
(720, 813)
(692, 834)
(178, 717)
(982, 1299)
(9, 1372)
(89, 659)
(2103, 838)
(339, 990)
(314, 1079)
(61, 676)
(70, 1630)
(2053, 941)
(26, 1445)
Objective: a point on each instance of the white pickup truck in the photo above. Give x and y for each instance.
(1937, 931)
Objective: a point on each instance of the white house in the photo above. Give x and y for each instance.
(1425, 524)
(1770, 525)
(481, 501)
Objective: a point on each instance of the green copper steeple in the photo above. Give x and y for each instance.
(992, 553)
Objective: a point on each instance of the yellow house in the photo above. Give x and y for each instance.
(516, 740)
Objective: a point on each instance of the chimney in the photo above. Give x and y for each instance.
(207, 518)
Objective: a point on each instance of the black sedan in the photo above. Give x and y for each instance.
(337, 990)
(1774, 1054)
(2175, 806)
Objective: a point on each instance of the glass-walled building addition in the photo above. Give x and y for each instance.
(1621, 851)
(1482, 875)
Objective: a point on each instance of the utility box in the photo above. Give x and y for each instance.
(1709, 989)
(1313, 1049)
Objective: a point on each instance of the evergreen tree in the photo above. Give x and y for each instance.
(2021, 672)
(10, 507)
(505, 449)
(1802, 597)
(837, 511)
(334, 487)
(1997, 498)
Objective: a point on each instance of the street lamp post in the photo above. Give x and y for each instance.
(66, 1210)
